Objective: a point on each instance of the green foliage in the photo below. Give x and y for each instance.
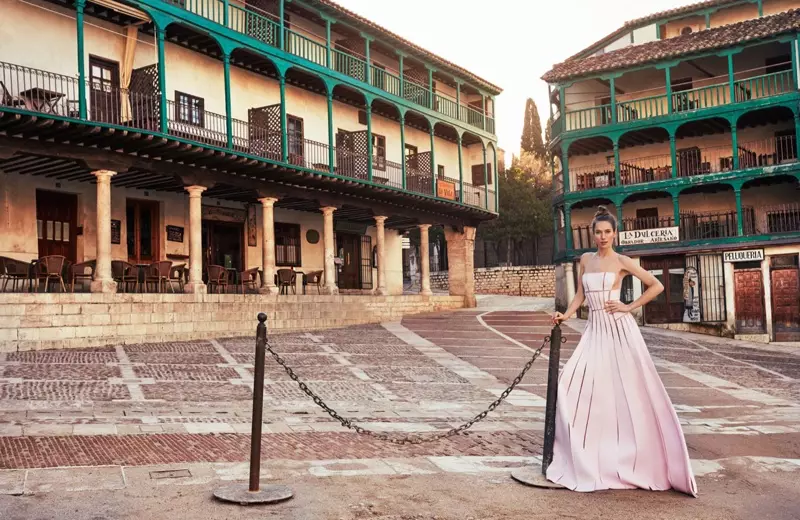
(532, 131)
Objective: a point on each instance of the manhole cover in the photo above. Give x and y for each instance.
(170, 473)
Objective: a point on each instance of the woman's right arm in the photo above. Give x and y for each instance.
(576, 302)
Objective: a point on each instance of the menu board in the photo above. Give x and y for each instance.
(174, 234)
(116, 231)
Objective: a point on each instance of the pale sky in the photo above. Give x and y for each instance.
(508, 42)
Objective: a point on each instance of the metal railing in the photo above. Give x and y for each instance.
(213, 10)
(393, 175)
(635, 224)
(349, 65)
(558, 183)
(642, 108)
(779, 218)
(768, 152)
(701, 97)
(419, 182)
(588, 117)
(305, 47)
(715, 224)
(417, 93)
(591, 177)
(645, 169)
(385, 81)
(701, 161)
(38, 91)
(765, 85)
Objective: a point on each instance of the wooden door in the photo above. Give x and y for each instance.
(349, 251)
(749, 301)
(345, 153)
(222, 244)
(104, 91)
(785, 284)
(56, 221)
(668, 306)
(141, 225)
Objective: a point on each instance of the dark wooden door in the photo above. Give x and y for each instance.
(349, 247)
(667, 307)
(104, 91)
(749, 301)
(345, 153)
(785, 284)
(141, 225)
(56, 221)
(222, 243)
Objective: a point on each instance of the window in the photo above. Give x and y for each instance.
(287, 245)
(411, 150)
(378, 152)
(294, 131)
(478, 174)
(141, 225)
(686, 30)
(440, 171)
(189, 109)
(646, 218)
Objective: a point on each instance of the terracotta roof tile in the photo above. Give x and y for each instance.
(662, 50)
(677, 11)
(437, 60)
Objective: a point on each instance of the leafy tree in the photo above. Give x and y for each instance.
(532, 131)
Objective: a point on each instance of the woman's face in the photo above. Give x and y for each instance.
(604, 235)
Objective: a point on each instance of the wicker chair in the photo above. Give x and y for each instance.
(217, 277)
(14, 271)
(287, 278)
(177, 274)
(158, 275)
(82, 271)
(125, 274)
(249, 278)
(51, 269)
(313, 278)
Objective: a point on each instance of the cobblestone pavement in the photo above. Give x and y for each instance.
(109, 417)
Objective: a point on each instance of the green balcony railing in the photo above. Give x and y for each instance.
(588, 117)
(701, 97)
(213, 10)
(385, 81)
(766, 85)
(417, 93)
(307, 48)
(349, 65)
(446, 106)
(643, 108)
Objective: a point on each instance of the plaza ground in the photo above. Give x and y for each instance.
(149, 431)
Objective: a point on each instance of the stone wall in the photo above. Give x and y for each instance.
(39, 321)
(536, 280)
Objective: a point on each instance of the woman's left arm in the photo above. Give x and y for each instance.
(654, 287)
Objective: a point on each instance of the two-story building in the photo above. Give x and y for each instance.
(684, 123)
(261, 134)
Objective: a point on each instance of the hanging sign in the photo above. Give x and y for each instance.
(649, 236)
(745, 255)
(446, 189)
(691, 296)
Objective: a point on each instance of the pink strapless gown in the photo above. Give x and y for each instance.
(615, 425)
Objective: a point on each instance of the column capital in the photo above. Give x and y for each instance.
(368, 108)
(103, 174)
(380, 220)
(268, 201)
(195, 191)
(328, 210)
(424, 226)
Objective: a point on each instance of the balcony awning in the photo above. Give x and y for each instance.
(124, 9)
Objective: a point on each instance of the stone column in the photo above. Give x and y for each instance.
(103, 281)
(330, 253)
(195, 284)
(381, 245)
(424, 260)
(569, 279)
(461, 261)
(268, 245)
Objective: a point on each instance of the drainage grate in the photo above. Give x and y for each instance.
(170, 473)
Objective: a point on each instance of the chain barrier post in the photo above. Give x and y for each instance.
(254, 493)
(530, 475)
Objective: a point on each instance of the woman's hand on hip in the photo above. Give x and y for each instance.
(613, 306)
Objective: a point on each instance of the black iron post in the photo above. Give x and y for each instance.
(552, 395)
(255, 494)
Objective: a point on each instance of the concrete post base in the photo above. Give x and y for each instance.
(426, 292)
(195, 288)
(269, 289)
(333, 291)
(461, 267)
(103, 286)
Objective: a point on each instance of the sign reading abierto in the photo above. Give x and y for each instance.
(649, 236)
(745, 255)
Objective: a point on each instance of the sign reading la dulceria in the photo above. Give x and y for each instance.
(649, 236)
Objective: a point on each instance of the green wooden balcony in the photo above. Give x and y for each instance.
(266, 29)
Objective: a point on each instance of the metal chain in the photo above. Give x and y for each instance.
(409, 439)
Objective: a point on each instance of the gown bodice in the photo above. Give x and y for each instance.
(598, 289)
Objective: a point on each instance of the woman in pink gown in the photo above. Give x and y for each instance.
(615, 425)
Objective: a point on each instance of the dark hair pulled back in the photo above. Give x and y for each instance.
(603, 215)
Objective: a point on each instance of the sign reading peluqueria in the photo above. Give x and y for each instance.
(649, 236)
(745, 255)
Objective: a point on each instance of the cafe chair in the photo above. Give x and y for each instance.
(83, 271)
(125, 274)
(313, 278)
(13, 271)
(249, 278)
(158, 274)
(51, 269)
(287, 278)
(177, 274)
(217, 277)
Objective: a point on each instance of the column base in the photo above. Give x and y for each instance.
(195, 288)
(426, 292)
(103, 286)
(268, 289)
(330, 290)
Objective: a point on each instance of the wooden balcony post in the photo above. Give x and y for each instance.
(760, 8)
(331, 142)
(403, 147)
(668, 78)
(460, 172)
(676, 208)
(367, 66)
(731, 80)
(402, 78)
(458, 100)
(496, 182)
(162, 79)
(793, 44)
(485, 180)
(568, 227)
(79, 7)
(617, 173)
(225, 15)
(368, 110)
(226, 64)
(562, 107)
(431, 104)
(737, 191)
(797, 133)
(613, 101)
(328, 60)
(735, 146)
(483, 109)
(282, 25)
(284, 126)
(565, 164)
(433, 161)
(673, 154)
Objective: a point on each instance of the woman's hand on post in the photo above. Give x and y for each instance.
(613, 306)
(558, 318)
